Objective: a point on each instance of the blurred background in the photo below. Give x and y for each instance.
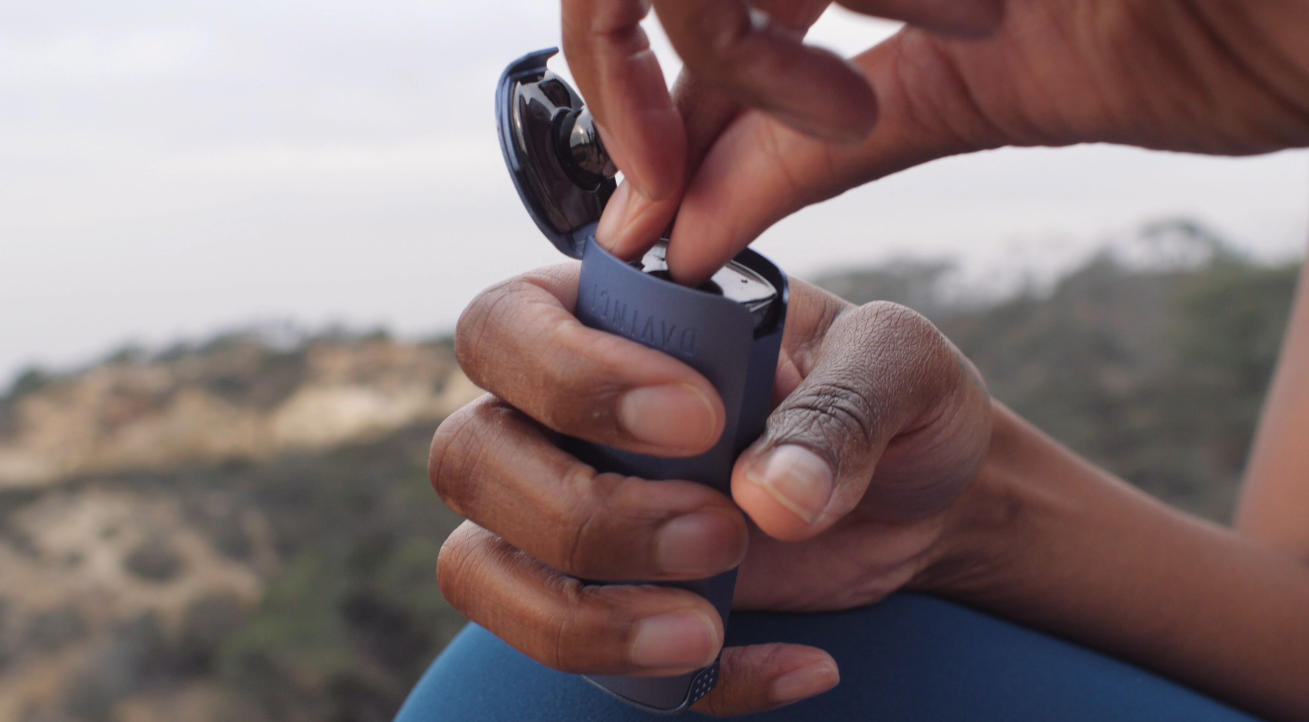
(235, 237)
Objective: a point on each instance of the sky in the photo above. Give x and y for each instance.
(170, 169)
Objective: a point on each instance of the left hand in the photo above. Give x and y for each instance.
(880, 424)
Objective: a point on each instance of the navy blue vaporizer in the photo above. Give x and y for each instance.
(729, 328)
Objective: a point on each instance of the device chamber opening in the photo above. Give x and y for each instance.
(734, 281)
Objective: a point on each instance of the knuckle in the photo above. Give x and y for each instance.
(774, 657)
(723, 34)
(713, 32)
(587, 20)
(518, 340)
(901, 323)
(559, 630)
(453, 564)
(915, 360)
(832, 416)
(907, 339)
(473, 348)
(563, 625)
(769, 142)
(584, 518)
(449, 445)
(458, 447)
(577, 391)
(883, 360)
(717, 703)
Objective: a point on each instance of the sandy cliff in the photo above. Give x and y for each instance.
(229, 403)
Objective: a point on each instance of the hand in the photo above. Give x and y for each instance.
(879, 426)
(1207, 76)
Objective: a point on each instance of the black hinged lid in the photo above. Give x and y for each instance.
(553, 151)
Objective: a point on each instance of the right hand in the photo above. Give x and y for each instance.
(879, 425)
(760, 125)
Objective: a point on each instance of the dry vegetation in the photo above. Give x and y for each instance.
(245, 532)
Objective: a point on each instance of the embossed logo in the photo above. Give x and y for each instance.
(624, 318)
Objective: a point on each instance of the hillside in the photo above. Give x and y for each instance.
(1157, 373)
(236, 397)
(231, 531)
(243, 530)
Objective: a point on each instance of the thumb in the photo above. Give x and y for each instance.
(885, 388)
(760, 170)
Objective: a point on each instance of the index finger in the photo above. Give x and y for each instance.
(633, 222)
(520, 341)
(619, 75)
(766, 65)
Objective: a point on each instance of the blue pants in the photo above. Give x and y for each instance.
(910, 658)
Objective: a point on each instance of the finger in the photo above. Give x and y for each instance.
(961, 18)
(767, 676)
(521, 341)
(708, 99)
(494, 466)
(882, 373)
(766, 65)
(570, 626)
(632, 221)
(759, 171)
(610, 58)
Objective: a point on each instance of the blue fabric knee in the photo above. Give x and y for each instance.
(910, 658)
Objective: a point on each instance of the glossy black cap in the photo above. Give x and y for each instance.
(554, 154)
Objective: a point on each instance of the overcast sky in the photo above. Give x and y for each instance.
(167, 169)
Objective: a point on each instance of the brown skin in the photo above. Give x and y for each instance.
(885, 465)
(932, 487)
(1275, 497)
(1208, 76)
(874, 393)
(1047, 539)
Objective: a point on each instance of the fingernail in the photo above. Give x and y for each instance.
(674, 416)
(796, 477)
(700, 544)
(805, 682)
(614, 217)
(675, 639)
